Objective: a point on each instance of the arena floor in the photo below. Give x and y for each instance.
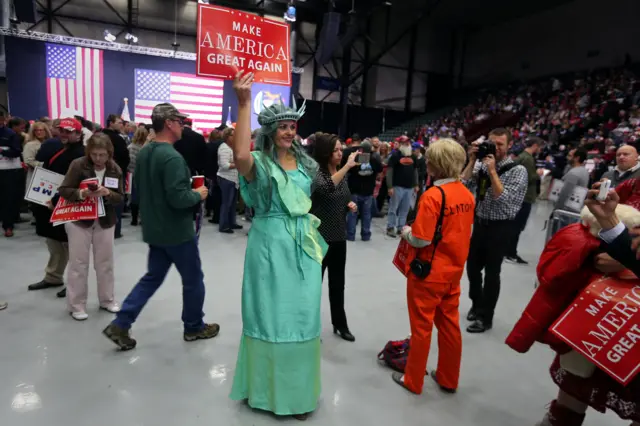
(56, 371)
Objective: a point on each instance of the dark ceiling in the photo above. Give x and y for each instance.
(457, 13)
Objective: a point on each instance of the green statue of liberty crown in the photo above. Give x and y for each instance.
(280, 112)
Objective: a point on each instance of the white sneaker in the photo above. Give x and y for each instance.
(114, 308)
(3, 306)
(79, 316)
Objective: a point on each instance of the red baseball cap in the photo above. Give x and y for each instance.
(70, 124)
(403, 138)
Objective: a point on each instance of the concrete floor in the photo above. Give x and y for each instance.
(55, 371)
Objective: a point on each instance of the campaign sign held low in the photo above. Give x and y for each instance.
(230, 40)
(603, 324)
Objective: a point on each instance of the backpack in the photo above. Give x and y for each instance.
(395, 354)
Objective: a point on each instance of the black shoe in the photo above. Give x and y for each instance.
(301, 417)
(345, 334)
(62, 293)
(479, 326)
(516, 260)
(472, 315)
(117, 237)
(43, 285)
(434, 376)
(134, 223)
(120, 337)
(238, 227)
(391, 232)
(227, 231)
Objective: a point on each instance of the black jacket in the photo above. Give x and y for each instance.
(362, 181)
(120, 150)
(12, 141)
(193, 149)
(620, 250)
(59, 165)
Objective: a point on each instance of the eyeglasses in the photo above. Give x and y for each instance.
(180, 121)
(293, 127)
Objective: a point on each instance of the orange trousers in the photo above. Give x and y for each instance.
(431, 303)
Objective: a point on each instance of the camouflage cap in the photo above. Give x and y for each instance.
(166, 111)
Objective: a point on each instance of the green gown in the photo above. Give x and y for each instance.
(278, 366)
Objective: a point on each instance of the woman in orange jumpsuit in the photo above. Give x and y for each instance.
(436, 297)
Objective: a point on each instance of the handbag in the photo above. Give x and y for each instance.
(422, 269)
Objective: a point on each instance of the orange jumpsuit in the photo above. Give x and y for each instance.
(436, 298)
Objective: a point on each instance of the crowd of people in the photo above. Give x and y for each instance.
(451, 202)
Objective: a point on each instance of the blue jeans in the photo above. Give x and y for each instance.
(399, 207)
(186, 257)
(364, 203)
(228, 206)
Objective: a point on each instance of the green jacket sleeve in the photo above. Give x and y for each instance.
(177, 184)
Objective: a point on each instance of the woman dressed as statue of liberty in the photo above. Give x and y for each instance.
(278, 366)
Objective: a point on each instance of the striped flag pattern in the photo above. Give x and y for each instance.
(75, 82)
(199, 97)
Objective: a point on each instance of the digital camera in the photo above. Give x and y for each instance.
(484, 149)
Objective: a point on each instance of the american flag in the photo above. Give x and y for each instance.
(75, 82)
(199, 97)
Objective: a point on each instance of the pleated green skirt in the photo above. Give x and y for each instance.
(283, 378)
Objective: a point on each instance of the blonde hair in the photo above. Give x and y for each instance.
(38, 125)
(140, 136)
(446, 157)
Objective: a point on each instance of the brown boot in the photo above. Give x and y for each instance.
(559, 415)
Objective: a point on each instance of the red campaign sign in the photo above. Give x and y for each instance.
(603, 324)
(230, 40)
(403, 257)
(66, 211)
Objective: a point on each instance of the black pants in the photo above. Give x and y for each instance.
(520, 223)
(11, 188)
(216, 202)
(489, 243)
(336, 260)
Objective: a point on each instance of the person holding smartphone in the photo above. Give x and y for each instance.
(362, 184)
(98, 234)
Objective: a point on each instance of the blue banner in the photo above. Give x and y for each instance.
(265, 95)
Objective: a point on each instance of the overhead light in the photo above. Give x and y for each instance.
(290, 14)
(131, 38)
(203, 1)
(109, 37)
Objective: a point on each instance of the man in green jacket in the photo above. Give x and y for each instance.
(533, 145)
(163, 182)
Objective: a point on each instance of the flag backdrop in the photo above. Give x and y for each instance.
(75, 82)
(199, 97)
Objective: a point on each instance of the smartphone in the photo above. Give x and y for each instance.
(92, 186)
(363, 158)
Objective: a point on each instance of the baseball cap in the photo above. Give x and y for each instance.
(166, 111)
(416, 145)
(70, 124)
(403, 138)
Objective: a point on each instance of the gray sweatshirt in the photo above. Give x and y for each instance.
(577, 176)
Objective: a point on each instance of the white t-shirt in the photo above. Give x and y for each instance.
(100, 175)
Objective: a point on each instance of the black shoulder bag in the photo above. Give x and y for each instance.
(420, 268)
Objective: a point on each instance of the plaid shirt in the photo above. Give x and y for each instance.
(507, 205)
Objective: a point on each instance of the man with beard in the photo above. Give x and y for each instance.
(402, 181)
(56, 155)
(500, 185)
